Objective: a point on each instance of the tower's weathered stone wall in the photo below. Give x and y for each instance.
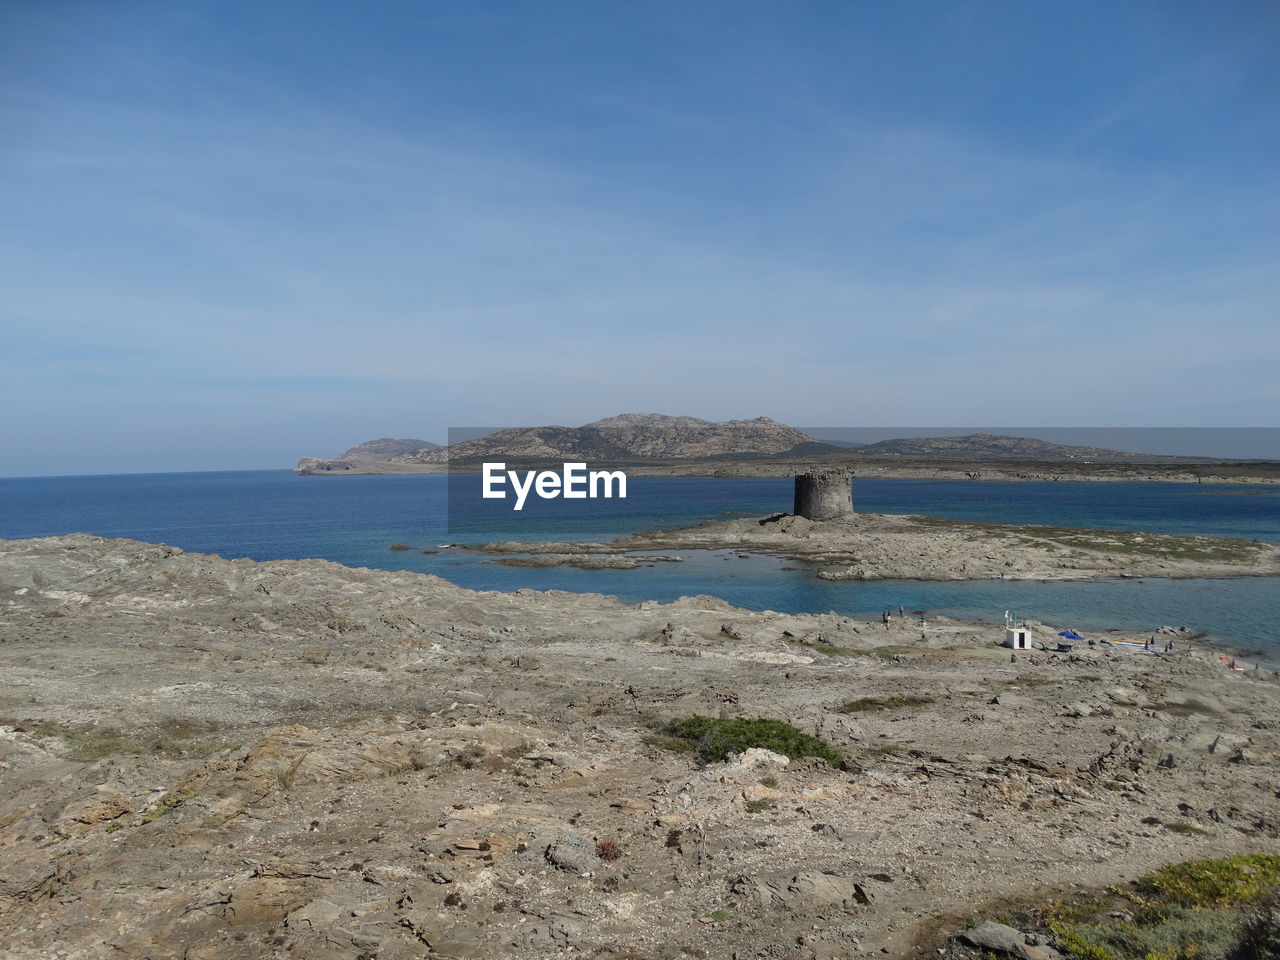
(824, 494)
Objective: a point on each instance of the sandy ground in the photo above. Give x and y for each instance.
(870, 546)
(203, 758)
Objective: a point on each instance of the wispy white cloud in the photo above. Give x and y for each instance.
(284, 259)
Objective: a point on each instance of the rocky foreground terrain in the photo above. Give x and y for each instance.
(873, 546)
(211, 759)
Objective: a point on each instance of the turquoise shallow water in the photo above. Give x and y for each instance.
(271, 515)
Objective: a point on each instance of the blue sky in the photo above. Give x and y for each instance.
(235, 233)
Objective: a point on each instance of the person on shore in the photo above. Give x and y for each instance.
(902, 611)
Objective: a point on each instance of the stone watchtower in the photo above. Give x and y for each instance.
(824, 494)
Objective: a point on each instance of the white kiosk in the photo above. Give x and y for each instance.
(1015, 634)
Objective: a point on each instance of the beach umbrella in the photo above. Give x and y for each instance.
(1070, 635)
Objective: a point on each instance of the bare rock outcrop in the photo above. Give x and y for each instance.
(203, 758)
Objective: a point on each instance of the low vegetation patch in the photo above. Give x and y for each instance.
(714, 739)
(1187, 708)
(662, 740)
(1186, 827)
(1226, 909)
(897, 701)
(831, 649)
(288, 773)
(1215, 883)
(168, 803)
(609, 849)
(174, 738)
(888, 651)
(1127, 542)
(883, 652)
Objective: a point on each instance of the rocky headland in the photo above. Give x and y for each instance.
(657, 445)
(629, 436)
(872, 546)
(1258, 473)
(216, 759)
(384, 448)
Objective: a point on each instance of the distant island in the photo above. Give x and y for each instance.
(384, 448)
(650, 444)
(627, 438)
(632, 437)
(987, 446)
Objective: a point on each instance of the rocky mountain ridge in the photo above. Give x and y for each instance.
(384, 448)
(658, 441)
(631, 436)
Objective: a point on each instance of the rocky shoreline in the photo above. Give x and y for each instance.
(216, 759)
(888, 547)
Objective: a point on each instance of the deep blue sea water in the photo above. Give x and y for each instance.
(270, 515)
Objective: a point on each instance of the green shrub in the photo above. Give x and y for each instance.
(1215, 883)
(716, 739)
(1205, 909)
(1260, 938)
(1179, 935)
(168, 803)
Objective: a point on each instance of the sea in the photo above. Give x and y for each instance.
(274, 515)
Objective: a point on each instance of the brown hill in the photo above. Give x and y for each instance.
(987, 446)
(384, 449)
(631, 436)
